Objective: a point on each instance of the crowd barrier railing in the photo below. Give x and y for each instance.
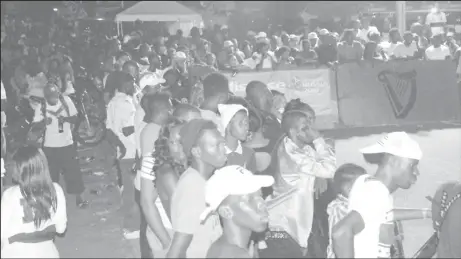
(316, 87)
(368, 94)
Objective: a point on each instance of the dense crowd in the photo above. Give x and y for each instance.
(210, 171)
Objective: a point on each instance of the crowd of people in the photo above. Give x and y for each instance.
(205, 172)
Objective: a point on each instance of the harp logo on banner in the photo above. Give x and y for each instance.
(400, 89)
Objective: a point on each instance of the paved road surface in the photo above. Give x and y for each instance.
(441, 162)
(96, 232)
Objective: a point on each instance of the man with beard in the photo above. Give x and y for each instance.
(205, 148)
(235, 194)
(368, 230)
(58, 146)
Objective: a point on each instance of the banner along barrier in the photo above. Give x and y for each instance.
(316, 87)
(398, 93)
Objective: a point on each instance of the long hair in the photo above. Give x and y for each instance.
(33, 177)
(161, 154)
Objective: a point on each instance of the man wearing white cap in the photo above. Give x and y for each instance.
(234, 193)
(368, 230)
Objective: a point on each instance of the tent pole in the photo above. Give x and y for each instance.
(401, 16)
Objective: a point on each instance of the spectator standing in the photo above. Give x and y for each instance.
(349, 50)
(365, 29)
(436, 20)
(33, 209)
(121, 112)
(59, 117)
(205, 148)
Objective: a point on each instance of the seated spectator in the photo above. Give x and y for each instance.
(308, 55)
(437, 51)
(406, 49)
(373, 50)
(349, 50)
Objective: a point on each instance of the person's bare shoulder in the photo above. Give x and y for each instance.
(218, 250)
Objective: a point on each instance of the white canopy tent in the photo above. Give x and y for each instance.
(173, 12)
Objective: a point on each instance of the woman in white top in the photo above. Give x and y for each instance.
(33, 210)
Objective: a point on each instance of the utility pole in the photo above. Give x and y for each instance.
(401, 16)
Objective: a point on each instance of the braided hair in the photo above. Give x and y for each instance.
(162, 155)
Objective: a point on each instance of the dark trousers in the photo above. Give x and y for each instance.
(146, 252)
(65, 159)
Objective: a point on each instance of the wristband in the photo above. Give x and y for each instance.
(426, 213)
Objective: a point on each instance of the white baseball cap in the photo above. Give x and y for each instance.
(231, 180)
(150, 79)
(397, 144)
(228, 111)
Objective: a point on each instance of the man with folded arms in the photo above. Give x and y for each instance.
(234, 193)
(368, 230)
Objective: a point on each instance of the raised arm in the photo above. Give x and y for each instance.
(322, 165)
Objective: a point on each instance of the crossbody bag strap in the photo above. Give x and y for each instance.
(445, 208)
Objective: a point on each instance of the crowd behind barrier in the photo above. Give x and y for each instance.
(367, 94)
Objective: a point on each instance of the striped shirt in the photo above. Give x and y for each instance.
(337, 210)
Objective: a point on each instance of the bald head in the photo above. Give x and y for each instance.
(259, 95)
(157, 107)
(186, 112)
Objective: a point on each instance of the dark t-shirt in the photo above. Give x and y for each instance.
(246, 159)
(326, 54)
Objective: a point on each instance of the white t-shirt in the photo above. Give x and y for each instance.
(372, 200)
(439, 53)
(16, 219)
(439, 17)
(389, 47)
(402, 51)
(120, 114)
(363, 33)
(52, 136)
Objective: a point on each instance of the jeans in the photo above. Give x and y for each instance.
(66, 159)
(146, 252)
(131, 217)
